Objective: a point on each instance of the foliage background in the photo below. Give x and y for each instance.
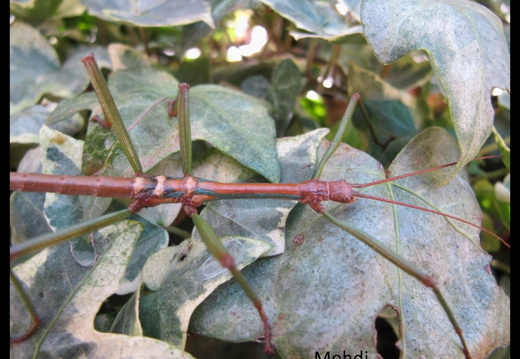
(314, 57)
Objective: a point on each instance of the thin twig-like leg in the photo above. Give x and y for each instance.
(406, 266)
(30, 308)
(215, 246)
(219, 252)
(51, 239)
(377, 246)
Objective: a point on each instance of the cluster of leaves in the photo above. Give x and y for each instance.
(425, 71)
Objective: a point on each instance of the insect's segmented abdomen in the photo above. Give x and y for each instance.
(118, 187)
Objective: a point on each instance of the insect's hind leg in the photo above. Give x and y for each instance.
(410, 268)
(219, 252)
(27, 302)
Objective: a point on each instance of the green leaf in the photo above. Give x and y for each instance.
(286, 83)
(151, 12)
(334, 286)
(371, 85)
(262, 219)
(325, 290)
(495, 200)
(38, 10)
(30, 57)
(62, 155)
(124, 57)
(35, 69)
(317, 18)
(230, 121)
(409, 72)
(225, 118)
(127, 319)
(27, 219)
(68, 307)
(26, 208)
(182, 277)
(24, 127)
(394, 124)
(152, 239)
(468, 51)
(504, 150)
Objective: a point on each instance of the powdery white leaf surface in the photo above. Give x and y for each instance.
(318, 18)
(67, 297)
(325, 292)
(151, 12)
(35, 69)
(466, 46)
(183, 277)
(264, 219)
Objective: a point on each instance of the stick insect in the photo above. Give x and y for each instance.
(323, 192)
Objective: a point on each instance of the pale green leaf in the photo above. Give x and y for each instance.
(264, 219)
(504, 150)
(127, 319)
(124, 57)
(27, 219)
(62, 155)
(466, 46)
(325, 292)
(151, 12)
(230, 121)
(45, 9)
(35, 69)
(185, 275)
(225, 118)
(395, 128)
(286, 83)
(68, 307)
(371, 85)
(318, 18)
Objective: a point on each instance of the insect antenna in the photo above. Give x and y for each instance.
(361, 195)
(364, 185)
(411, 174)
